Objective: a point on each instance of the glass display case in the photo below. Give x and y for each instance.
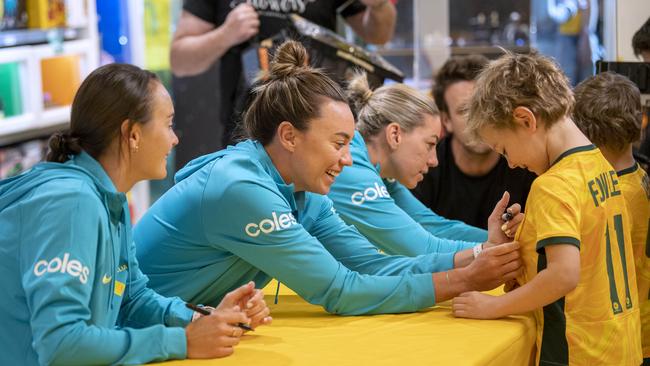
(485, 27)
(428, 32)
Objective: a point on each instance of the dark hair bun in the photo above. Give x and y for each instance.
(290, 59)
(61, 146)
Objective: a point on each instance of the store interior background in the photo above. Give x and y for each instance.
(47, 47)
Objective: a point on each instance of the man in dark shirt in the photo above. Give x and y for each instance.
(206, 56)
(470, 177)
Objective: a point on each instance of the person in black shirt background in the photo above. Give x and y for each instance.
(206, 57)
(470, 178)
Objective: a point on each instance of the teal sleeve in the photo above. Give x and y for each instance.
(66, 227)
(264, 231)
(144, 307)
(362, 200)
(355, 251)
(430, 221)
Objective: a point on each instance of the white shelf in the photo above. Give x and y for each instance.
(26, 126)
(29, 50)
(20, 37)
(53, 116)
(16, 124)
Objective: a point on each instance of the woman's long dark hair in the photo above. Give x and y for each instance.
(107, 97)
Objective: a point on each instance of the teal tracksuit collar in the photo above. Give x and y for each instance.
(81, 165)
(114, 200)
(287, 190)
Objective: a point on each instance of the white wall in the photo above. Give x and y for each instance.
(630, 15)
(432, 31)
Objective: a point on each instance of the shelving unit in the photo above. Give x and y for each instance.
(28, 48)
(21, 37)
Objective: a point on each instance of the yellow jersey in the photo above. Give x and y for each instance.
(578, 202)
(635, 186)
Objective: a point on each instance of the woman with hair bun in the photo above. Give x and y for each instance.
(394, 145)
(73, 290)
(258, 210)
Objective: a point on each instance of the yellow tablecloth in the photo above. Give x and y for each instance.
(304, 334)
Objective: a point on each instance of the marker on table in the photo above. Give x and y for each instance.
(204, 311)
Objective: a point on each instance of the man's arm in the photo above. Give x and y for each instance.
(197, 43)
(377, 23)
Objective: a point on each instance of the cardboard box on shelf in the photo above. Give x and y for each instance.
(46, 13)
(61, 76)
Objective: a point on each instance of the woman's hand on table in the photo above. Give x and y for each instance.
(257, 310)
(215, 335)
(252, 302)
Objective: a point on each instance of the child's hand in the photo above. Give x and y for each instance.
(475, 305)
(499, 230)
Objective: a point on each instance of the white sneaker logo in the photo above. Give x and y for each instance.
(370, 194)
(72, 267)
(275, 223)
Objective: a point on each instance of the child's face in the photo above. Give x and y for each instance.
(519, 146)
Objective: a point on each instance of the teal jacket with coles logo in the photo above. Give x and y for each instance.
(390, 216)
(73, 293)
(230, 218)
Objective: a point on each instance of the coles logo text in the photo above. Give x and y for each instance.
(57, 265)
(370, 194)
(274, 223)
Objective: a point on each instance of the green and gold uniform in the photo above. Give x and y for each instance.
(635, 186)
(578, 202)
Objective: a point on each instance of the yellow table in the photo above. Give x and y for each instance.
(304, 334)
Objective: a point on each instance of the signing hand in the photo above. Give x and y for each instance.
(215, 335)
(500, 231)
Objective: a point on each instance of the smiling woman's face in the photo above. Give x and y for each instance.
(158, 137)
(323, 149)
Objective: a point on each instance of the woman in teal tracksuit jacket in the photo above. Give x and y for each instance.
(257, 210)
(394, 145)
(73, 292)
